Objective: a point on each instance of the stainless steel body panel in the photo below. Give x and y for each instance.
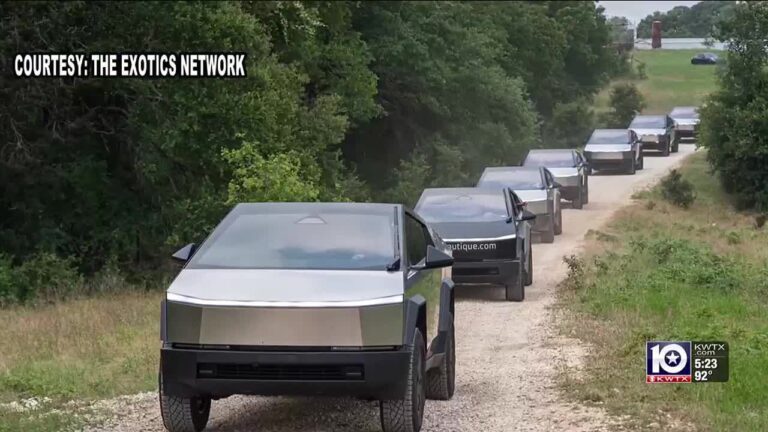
(379, 325)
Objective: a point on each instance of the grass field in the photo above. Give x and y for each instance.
(672, 80)
(659, 272)
(81, 349)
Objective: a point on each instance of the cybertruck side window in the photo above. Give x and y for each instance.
(416, 240)
(299, 240)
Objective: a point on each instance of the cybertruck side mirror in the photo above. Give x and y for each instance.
(527, 216)
(184, 254)
(436, 259)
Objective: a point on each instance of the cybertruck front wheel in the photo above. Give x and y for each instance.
(441, 381)
(406, 414)
(182, 414)
(578, 201)
(529, 273)
(515, 288)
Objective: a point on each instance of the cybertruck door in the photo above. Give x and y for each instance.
(424, 282)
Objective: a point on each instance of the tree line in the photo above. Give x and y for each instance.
(697, 21)
(343, 101)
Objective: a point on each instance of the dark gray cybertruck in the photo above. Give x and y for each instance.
(310, 299)
(489, 232)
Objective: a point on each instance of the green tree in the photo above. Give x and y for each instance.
(626, 102)
(733, 125)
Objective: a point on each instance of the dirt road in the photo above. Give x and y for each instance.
(508, 353)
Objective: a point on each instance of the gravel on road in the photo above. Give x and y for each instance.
(508, 354)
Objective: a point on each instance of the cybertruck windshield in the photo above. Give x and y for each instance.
(609, 136)
(462, 205)
(515, 178)
(553, 159)
(255, 236)
(648, 122)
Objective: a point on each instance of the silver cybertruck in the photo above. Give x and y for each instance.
(570, 170)
(310, 299)
(614, 149)
(686, 123)
(537, 188)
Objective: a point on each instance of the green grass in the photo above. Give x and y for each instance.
(672, 80)
(85, 349)
(660, 272)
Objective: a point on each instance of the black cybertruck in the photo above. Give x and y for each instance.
(489, 232)
(310, 299)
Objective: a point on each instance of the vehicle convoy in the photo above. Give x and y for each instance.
(614, 149)
(310, 299)
(655, 132)
(537, 188)
(686, 122)
(569, 168)
(489, 233)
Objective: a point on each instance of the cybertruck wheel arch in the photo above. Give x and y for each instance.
(415, 317)
(446, 305)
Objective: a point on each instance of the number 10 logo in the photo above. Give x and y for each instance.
(668, 362)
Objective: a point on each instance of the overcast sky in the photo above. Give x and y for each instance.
(637, 10)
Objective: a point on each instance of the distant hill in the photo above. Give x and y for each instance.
(682, 21)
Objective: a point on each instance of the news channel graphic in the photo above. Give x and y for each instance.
(129, 65)
(685, 362)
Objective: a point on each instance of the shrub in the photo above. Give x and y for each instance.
(626, 101)
(43, 276)
(677, 190)
(576, 271)
(571, 123)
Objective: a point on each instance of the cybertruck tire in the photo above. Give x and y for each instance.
(559, 224)
(529, 273)
(441, 381)
(666, 149)
(184, 414)
(407, 414)
(515, 288)
(586, 191)
(578, 202)
(631, 168)
(548, 236)
(675, 144)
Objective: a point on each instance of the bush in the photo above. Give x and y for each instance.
(42, 277)
(626, 102)
(677, 190)
(571, 124)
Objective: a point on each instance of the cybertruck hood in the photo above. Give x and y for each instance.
(531, 195)
(464, 231)
(610, 148)
(284, 287)
(564, 171)
(650, 131)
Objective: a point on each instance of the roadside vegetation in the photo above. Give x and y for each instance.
(661, 271)
(689, 259)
